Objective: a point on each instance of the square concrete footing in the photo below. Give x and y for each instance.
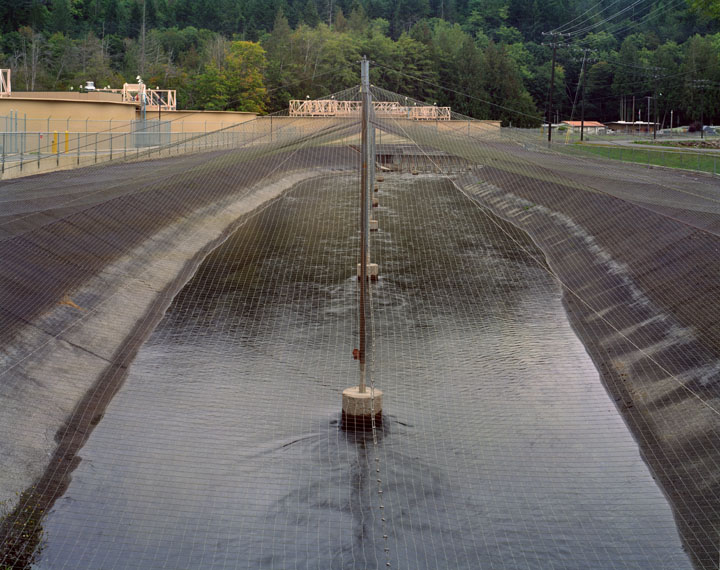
(372, 271)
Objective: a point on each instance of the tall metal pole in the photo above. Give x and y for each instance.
(365, 182)
(656, 118)
(550, 93)
(582, 113)
(554, 40)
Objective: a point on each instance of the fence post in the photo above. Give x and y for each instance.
(3, 156)
(111, 138)
(78, 148)
(39, 150)
(57, 150)
(96, 141)
(125, 146)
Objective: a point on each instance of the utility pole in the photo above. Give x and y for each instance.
(583, 83)
(554, 42)
(577, 91)
(582, 110)
(701, 84)
(656, 75)
(655, 121)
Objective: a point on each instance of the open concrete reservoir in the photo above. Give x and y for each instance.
(223, 446)
(500, 445)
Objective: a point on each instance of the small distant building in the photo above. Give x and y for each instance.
(591, 127)
(631, 127)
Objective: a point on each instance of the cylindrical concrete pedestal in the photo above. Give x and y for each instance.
(375, 202)
(373, 225)
(356, 409)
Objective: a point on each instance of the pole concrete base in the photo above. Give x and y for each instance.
(375, 202)
(358, 409)
(373, 225)
(380, 179)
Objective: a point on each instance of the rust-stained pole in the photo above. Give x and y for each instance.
(365, 182)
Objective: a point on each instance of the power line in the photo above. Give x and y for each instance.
(609, 18)
(656, 11)
(564, 28)
(456, 92)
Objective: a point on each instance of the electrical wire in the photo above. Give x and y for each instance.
(456, 92)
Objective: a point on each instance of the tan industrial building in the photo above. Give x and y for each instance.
(101, 112)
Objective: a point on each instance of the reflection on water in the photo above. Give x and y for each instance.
(500, 448)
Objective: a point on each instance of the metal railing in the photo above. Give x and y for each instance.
(25, 152)
(659, 156)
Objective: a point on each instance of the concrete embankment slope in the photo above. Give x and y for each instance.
(638, 254)
(91, 260)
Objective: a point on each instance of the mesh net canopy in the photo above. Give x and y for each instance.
(177, 326)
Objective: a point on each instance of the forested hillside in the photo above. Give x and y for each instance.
(486, 58)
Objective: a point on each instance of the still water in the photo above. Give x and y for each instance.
(499, 448)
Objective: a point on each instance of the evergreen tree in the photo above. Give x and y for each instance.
(61, 18)
(510, 102)
(310, 14)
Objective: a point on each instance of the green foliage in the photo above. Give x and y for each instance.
(709, 8)
(486, 54)
(512, 104)
(233, 80)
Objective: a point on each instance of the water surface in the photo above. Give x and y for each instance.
(500, 447)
